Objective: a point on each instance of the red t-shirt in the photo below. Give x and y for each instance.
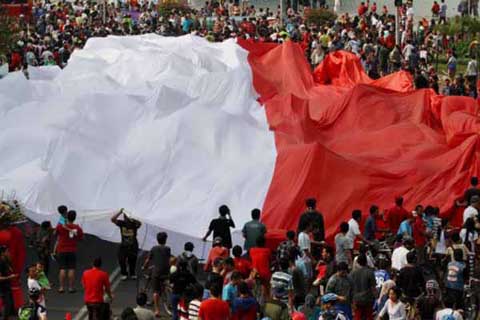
(67, 240)
(261, 262)
(95, 282)
(215, 253)
(243, 266)
(214, 309)
(395, 216)
(419, 232)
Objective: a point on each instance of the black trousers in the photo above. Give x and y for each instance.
(127, 259)
(98, 311)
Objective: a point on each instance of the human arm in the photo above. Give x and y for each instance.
(230, 221)
(210, 230)
(116, 216)
(9, 277)
(383, 311)
(107, 287)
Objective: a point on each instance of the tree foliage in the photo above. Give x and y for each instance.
(8, 31)
(167, 7)
(320, 17)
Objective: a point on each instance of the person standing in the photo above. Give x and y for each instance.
(443, 13)
(455, 280)
(68, 237)
(160, 256)
(399, 255)
(253, 229)
(180, 280)
(371, 224)
(341, 285)
(6, 275)
(221, 227)
(364, 289)
(343, 245)
(354, 227)
(313, 218)
(396, 215)
(96, 284)
(473, 209)
(214, 308)
(128, 250)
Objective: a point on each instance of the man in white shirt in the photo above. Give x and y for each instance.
(447, 311)
(354, 227)
(472, 210)
(399, 255)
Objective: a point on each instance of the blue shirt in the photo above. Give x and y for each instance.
(455, 275)
(405, 228)
(370, 228)
(380, 277)
(187, 23)
(229, 294)
(62, 220)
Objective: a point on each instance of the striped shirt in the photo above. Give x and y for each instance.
(193, 308)
(283, 281)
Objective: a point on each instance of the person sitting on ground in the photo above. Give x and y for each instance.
(242, 265)
(329, 310)
(141, 311)
(217, 251)
(128, 314)
(221, 227)
(214, 307)
(245, 306)
(394, 308)
(188, 256)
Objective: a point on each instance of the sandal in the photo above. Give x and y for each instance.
(61, 290)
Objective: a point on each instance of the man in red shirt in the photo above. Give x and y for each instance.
(396, 215)
(218, 251)
(214, 308)
(242, 265)
(68, 237)
(420, 237)
(96, 284)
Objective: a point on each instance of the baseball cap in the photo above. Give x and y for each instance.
(217, 240)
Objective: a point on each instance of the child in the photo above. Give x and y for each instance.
(41, 277)
(32, 283)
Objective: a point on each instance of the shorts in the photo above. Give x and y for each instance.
(158, 283)
(67, 260)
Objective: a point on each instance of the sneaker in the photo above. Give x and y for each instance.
(134, 277)
(124, 278)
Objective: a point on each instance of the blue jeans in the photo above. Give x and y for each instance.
(346, 309)
(175, 298)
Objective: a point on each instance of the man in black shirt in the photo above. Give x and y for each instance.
(314, 218)
(128, 249)
(6, 275)
(180, 280)
(411, 279)
(160, 257)
(473, 191)
(221, 227)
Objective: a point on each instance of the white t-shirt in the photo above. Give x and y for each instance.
(33, 283)
(353, 229)
(446, 312)
(441, 247)
(395, 311)
(304, 241)
(472, 237)
(399, 258)
(469, 212)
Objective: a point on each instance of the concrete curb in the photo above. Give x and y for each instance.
(82, 314)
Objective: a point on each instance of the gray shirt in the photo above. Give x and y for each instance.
(341, 286)
(144, 313)
(342, 245)
(364, 284)
(252, 230)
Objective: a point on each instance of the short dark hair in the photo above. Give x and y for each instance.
(46, 225)
(412, 257)
(458, 255)
(223, 210)
(162, 237)
(356, 214)
(344, 227)
(455, 237)
(311, 203)
(474, 181)
(284, 264)
(373, 209)
(97, 262)
(242, 288)
(216, 289)
(290, 234)
(71, 215)
(141, 299)
(260, 241)
(342, 266)
(236, 275)
(237, 251)
(62, 210)
(362, 260)
(229, 261)
(399, 201)
(188, 246)
(256, 214)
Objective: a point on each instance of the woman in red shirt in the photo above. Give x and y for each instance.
(66, 250)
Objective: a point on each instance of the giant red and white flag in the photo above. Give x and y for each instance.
(171, 128)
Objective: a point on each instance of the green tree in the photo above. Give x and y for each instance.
(320, 17)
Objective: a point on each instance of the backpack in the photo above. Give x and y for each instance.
(192, 262)
(450, 316)
(29, 312)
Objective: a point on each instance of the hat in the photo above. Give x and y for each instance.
(217, 240)
(475, 199)
(329, 297)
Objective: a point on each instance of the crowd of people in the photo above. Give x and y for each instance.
(389, 264)
(56, 29)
